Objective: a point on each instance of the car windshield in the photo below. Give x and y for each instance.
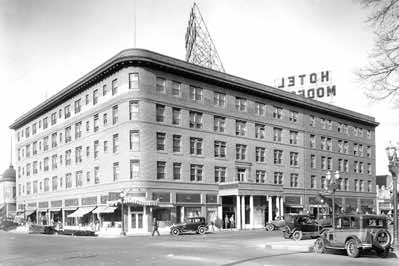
(374, 222)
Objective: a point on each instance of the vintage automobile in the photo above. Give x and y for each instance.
(194, 224)
(356, 233)
(302, 226)
(275, 224)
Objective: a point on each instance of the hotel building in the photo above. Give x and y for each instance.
(180, 140)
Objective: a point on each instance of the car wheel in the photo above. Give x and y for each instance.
(297, 235)
(382, 239)
(319, 246)
(352, 249)
(269, 227)
(383, 253)
(174, 232)
(201, 230)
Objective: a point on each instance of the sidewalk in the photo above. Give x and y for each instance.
(291, 245)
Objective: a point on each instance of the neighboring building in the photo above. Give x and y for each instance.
(7, 194)
(183, 140)
(384, 194)
(383, 180)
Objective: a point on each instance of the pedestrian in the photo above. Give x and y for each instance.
(232, 221)
(226, 221)
(155, 227)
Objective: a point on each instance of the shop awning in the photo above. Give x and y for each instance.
(29, 212)
(141, 201)
(104, 209)
(81, 211)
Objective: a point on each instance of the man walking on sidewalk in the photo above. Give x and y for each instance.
(155, 227)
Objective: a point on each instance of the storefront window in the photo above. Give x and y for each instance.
(192, 212)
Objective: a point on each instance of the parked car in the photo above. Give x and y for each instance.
(275, 224)
(302, 226)
(356, 233)
(194, 224)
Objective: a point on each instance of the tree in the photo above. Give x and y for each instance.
(381, 76)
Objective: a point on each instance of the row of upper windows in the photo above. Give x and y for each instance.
(195, 94)
(66, 111)
(343, 184)
(342, 146)
(326, 163)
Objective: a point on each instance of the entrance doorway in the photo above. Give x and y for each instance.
(136, 218)
(229, 215)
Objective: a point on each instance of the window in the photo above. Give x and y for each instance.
(95, 123)
(241, 152)
(219, 99)
(67, 112)
(54, 161)
(53, 118)
(329, 163)
(369, 186)
(361, 167)
(346, 166)
(220, 149)
(277, 133)
(176, 88)
(260, 154)
(196, 146)
(294, 159)
(241, 104)
(114, 86)
(115, 171)
(34, 167)
(160, 113)
(95, 149)
(133, 109)
(114, 114)
(27, 149)
(277, 112)
(260, 176)
(195, 93)
(176, 116)
(260, 109)
(195, 119)
(105, 146)
(323, 123)
(241, 128)
(161, 141)
(278, 156)
(220, 174)
(346, 147)
(87, 99)
(46, 184)
(312, 141)
(134, 169)
(355, 149)
(104, 89)
(196, 172)
(28, 169)
(346, 184)
(68, 180)
(294, 180)
(260, 131)
(341, 165)
(78, 131)
(176, 171)
(134, 140)
(88, 177)
(87, 151)
(368, 133)
(361, 152)
(293, 116)
(78, 178)
(35, 187)
(96, 175)
(87, 126)
(219, 123)
(356, 185)
(34, 129)
(323, 143)
(369, 169)
(95, 97)
(78, 154)
(323, 163)
(312, 121)
(160, 85)
(312, 181)
(329, 124)
(176, 143)
(241, 174)
(105, 119)
(46, 164)
(133, 81)
(294, 137)
(368, 152)
(115, 143)
(68, 157)
(313, 161)
(278, 178)
(77, 106)
(340, 127)
(340, 146)
(323, 182)
(161, 168)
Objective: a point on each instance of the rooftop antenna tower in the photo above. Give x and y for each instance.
(200, 49)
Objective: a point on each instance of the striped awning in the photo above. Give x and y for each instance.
(140, 201)
(81, 211)
(104, 209)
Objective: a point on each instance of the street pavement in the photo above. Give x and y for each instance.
(218, 248)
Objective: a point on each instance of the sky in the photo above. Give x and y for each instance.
(45, 45)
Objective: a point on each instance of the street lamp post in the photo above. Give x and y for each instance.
(122, 196)
(393, 166)
(332, 187)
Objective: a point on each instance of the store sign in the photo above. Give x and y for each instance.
(292, 200)
(103, 199)
(56, 203)
(71, 202)
(161, 196)
(32, 205)
(89, 201)
(190, 198)
(211, 198)
(43, 204)
(316, 85)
